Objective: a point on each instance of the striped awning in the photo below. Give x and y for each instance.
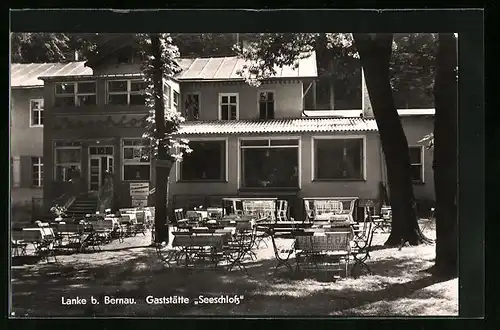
(277, 126)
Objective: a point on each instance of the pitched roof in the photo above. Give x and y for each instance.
(26, 75)
(225, 68)
(292, 125)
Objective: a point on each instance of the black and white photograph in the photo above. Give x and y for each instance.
(234, 174)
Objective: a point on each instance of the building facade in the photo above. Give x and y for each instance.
(246, 141)
(26, 134)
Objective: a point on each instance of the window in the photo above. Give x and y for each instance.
(266, 105)
(37, 171)
(136, 161)
(228, 106)
(68, 163)
(75, 94)
(192, 106)
(338, 159)
(127, 92)
(176, 100)
(206, 162)
(417, 165)
(167, 90)
(36, 113)
(270, 163)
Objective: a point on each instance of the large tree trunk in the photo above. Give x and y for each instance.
(163, 163)
(375, 53)
(445, 156)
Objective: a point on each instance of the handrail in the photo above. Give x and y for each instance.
(68, 197)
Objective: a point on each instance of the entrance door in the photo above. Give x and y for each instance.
(101, 161)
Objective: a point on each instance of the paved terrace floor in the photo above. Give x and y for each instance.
(131, 269)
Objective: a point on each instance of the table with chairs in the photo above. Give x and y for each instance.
(200, 242)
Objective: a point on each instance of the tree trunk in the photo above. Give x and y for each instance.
(162, 167)
(445, 156)
(375, 53)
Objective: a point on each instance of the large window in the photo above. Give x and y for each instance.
(206, 162)
(417, 164)
(36, 113)
(75, 94)
(270, 163)
(68, 163)
(228, 106)
(266, 105)
(192, 106)
(37, 171)
(338, 159)
(136, 161)
(126, 92)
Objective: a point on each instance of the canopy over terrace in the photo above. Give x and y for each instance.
(278, 126)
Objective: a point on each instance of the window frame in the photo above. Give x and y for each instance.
(199, 103)
(78, 164)
(128, 92)
(175, 104)
(336, 137)
(40, 124)
(207, 139)
(269, 138)
(219, 111)
(421, 164)
(125, 162)
(39, 166)
(167, 97)
(75, 93)
(274, 103)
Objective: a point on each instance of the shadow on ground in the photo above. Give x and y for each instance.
(396, 287)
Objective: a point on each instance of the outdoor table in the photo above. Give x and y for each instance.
(41, 239)
(198, 246)
(282, 228)
(202, 213)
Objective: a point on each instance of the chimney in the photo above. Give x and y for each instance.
(76, 55)
(365, 98)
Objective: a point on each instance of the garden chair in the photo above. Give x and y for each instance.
(140, 225)
(282, 210)
(44, 247)
(427, 225)
(384, 220)
(325, 251)
(362, 242)
(240, 247)
(180, 219)
(18, 245)
(102, 231)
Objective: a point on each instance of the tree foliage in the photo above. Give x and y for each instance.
(204, 44)
(413, 69)
(270, 51)
(40, 47)
(173, 118)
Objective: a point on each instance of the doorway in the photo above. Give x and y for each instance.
(100, 161)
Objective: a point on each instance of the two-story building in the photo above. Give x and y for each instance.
(26, 132)
(247, 141)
